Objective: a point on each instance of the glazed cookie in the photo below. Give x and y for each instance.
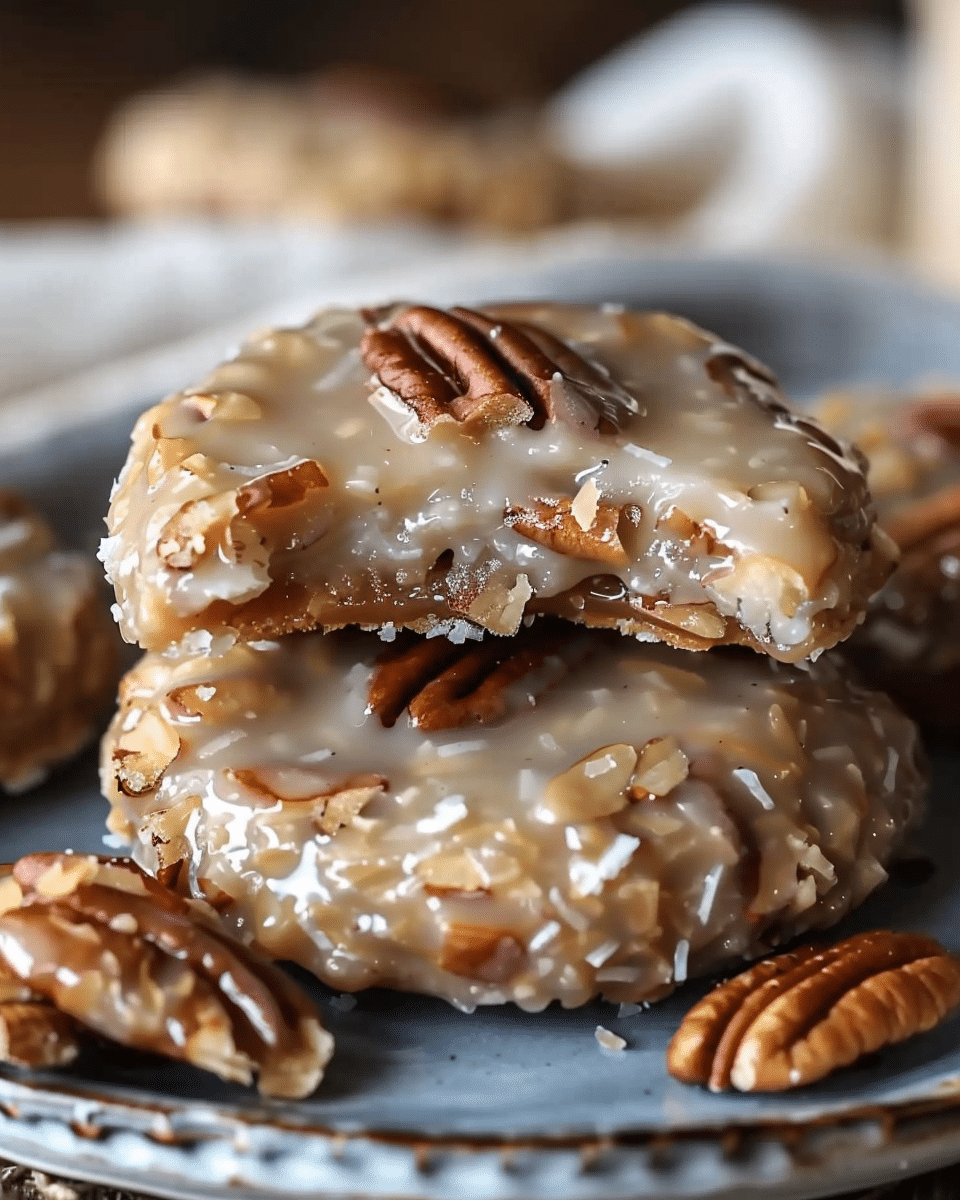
(454, 470)
(58, 650)
(444, 819)
(910, 641)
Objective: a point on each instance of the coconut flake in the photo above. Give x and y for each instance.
(658, 460)
(584, 506)
(710, 885)
(751, 782)
(599, 955)
(544, 935)
(609, 1041)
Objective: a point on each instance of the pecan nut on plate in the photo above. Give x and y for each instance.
(791, 1020)
(909, 643)
(454, 470)
(558, 815)
(99, 947)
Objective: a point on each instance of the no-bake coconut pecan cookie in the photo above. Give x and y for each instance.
(444, 819)
(352, 144)
(910, 641)
(58, 660)
(453, 470)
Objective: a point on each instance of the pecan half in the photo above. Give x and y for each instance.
(560, 526)
(126, 957)
(443, 685)
(791, 1020)
(462, 365)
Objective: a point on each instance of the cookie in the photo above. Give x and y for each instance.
(454, 470)
(554, 816)
(58, 652)
(349, 145)
(909, 643)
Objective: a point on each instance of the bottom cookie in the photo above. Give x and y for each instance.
(556, 816)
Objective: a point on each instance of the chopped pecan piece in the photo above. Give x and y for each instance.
(702, 621)
(560, 526)
(443, 685)
(661, 766)
(481, 952)
(126, 957)
(596, 786)
(282, 489)
(462, 365)
(286, 503)
(793, 1019)
(334, 804)
(143, 753)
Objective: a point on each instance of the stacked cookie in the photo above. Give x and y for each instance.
(485, 654)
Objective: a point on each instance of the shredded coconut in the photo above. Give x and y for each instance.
(710, 885)
(751, 782)
(658, 460)
(609, 1041)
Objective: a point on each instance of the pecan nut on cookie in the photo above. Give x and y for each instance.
(58, 648)
(554, 816)
(454, 470)
(909, 643)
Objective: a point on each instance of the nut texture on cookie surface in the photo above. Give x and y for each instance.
(559, 815)
(58, 653)
(452, 470)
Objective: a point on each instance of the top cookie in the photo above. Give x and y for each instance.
(454, 470)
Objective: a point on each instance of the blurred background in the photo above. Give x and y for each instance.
(170, 166)
(68, 66)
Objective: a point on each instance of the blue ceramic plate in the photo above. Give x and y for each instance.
(424, 1101)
